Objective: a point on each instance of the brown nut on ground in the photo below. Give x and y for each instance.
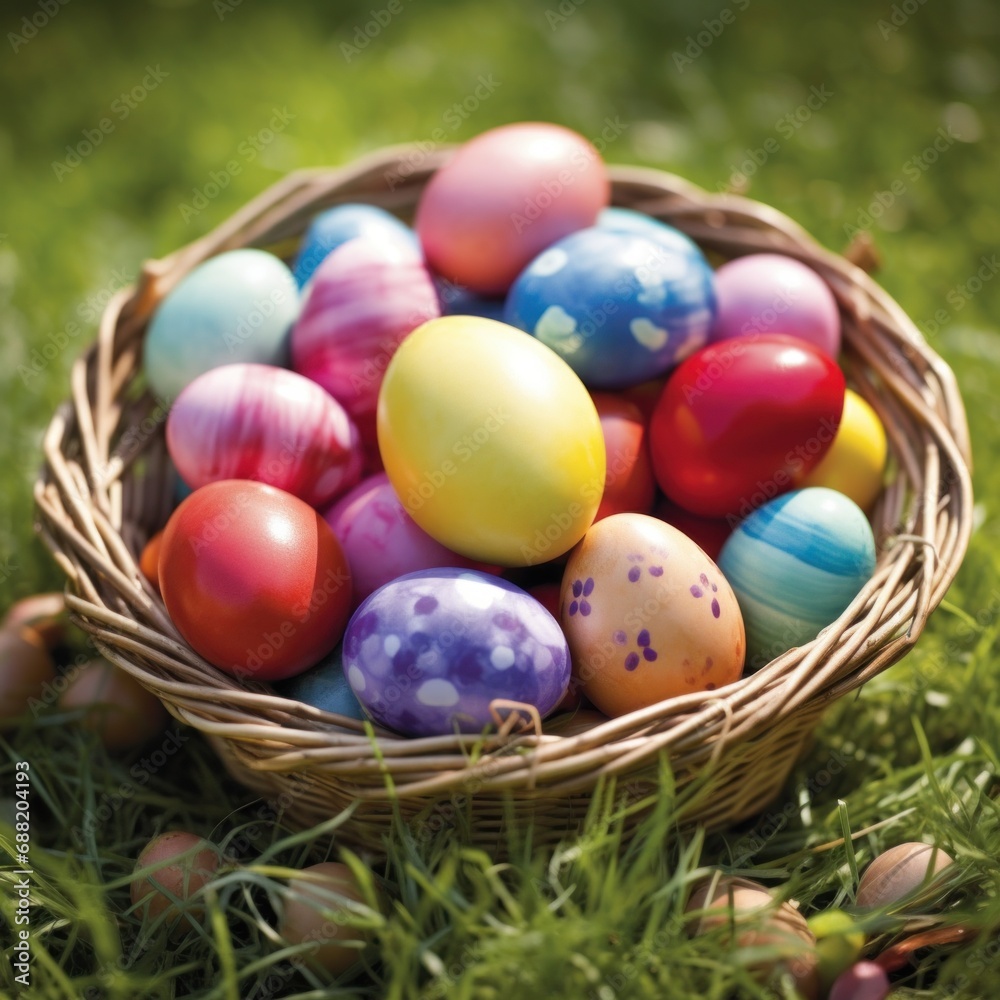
(45, 613)
(900, 873)
(311, 914)
(759, 922)
(118, 708)
(25, 669)
(184, 863)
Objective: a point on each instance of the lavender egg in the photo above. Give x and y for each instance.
(381, 540)
(337, 225)
(362, 302)
(264, 423)
(772, 293)
(427, 653)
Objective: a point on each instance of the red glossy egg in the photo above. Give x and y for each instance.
(504, 197)
(254, 579)
(740, 419)
(628, 482)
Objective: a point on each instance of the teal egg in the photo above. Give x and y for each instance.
(238, 306)
(325, 687)
(795, 564)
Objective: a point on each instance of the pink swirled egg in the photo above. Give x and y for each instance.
(363, 300)
(264, 423)
(381, 541)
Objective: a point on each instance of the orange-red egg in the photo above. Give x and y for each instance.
(149, 560)
(628, 482)
(254, 579)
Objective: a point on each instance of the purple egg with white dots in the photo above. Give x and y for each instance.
(427, 653)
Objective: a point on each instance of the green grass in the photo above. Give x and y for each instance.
(915, 751)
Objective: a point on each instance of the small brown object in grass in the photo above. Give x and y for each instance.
(118, 708)
(25, 669)
(759, 921)
(899, 873)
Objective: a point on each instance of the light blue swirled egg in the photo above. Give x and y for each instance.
(619, 308)
(324, 686)
(236, 307)
(795, 564)
(341, 223)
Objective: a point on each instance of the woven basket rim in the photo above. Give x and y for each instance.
(95, 510)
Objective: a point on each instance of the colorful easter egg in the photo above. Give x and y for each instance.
(428, 653)
(740, 419)
(491, 441)
(264, 423)
(362, 301)
(238, 306)
(795, 564)
(325, 687)
(504, 197)
(381, 541)
(647, 615)
(617, 307)
(855, 463)
(772, 293)
(628, 483)
(254, 579)
(341, 223)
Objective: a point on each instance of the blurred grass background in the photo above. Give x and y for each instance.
(180, 90)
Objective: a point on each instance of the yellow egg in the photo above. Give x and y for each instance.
(491, 441)
(856, 459)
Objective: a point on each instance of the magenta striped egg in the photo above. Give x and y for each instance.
(363, 300)
(259, 422)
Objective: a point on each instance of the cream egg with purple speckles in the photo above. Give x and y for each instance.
(648, 615)
(427, 653)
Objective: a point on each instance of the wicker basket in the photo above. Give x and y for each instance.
(106, 486)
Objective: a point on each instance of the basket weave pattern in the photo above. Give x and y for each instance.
(106, 486)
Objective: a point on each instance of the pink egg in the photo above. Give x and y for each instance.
(772, 293)
(381, 541)
(363, 300)
(504, 197)
(259, 422)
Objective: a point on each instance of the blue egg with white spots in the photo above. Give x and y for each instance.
(458, 301)
(341, 223)
(428, 652)
(237, 307)
(325, 687)
(795, 564)
(618, 307)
